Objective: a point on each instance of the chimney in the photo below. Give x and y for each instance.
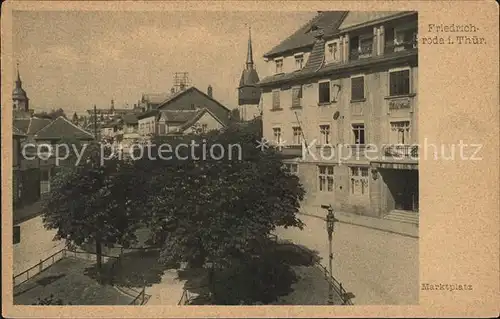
(210, 91)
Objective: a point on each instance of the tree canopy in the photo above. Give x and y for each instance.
(217, 202)
(93, 203)
(219, 209)
(55, 113)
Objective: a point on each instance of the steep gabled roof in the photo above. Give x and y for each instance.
(62, 128)
(178, 116)
(22, 125)
(358, 18)
(316, 58)
(165, 104)
(196, 117)
(249, 77)
(17, 132)
(155, 98)
(326, 22)
(130, 118)
(31, 126)
(315, 65)
(147, 114)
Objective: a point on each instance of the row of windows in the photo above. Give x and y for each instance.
(358, 179)
(399, 133)
(362, 45)
(399, 84)
(299, 63)
(148, 127)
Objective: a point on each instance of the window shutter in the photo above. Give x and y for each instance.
(389, 36)
(393, 79)
(357, 88)
(276, 99)
(324, 92)
(296, 96)
(405, 81)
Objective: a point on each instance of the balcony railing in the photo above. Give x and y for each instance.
(291, 151)
(401, 46)
(364, 51)
(401, 151)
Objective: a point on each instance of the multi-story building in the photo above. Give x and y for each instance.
(186, 111)
(341, 101)
(33, 166)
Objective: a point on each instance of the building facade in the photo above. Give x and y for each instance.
(186, 111)
(341, 103)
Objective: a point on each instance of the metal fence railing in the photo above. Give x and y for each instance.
(337, 285)
(140, 299)
(38, 268)
(185, 298)
(52, 259)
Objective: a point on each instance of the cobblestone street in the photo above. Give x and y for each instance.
(376, 266)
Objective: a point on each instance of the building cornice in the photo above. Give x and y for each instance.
(375, 22)
(341, 68)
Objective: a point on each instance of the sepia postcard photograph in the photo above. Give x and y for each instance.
(222, 154)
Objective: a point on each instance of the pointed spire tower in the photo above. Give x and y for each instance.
(249, 50)
(248, 92)
(19, 97)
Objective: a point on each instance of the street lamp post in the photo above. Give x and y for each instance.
(330, 224)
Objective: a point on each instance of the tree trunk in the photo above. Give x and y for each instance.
(98, 252)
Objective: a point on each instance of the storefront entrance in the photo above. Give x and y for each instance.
(402, 186)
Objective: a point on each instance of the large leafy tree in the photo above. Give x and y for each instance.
(53, 114)
(218, 210)
(93, 202)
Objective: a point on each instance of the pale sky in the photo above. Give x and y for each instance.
(74, 59)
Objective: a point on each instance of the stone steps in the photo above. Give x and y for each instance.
(403, 216)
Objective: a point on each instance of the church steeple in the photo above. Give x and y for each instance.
(19, 97)
(18, 81)
(248, 91)
(249, 62)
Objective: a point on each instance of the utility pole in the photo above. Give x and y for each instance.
(95, 122)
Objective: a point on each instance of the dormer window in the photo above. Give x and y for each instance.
(405, 37)
(313, 28)
(333, 51)
(299, 61)
(361, 46)
(279, 66)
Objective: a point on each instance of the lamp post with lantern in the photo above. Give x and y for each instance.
(330, 225)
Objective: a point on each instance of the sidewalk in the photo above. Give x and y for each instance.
(168, 291)
(26, 212)
(385, 225)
